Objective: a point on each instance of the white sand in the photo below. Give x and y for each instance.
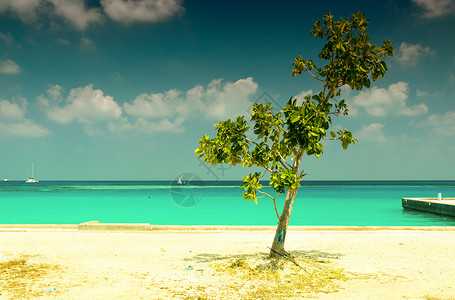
(151, 265)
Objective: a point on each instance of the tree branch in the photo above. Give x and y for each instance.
(297, 160)
(274, 203)
(314, 76)
(303, 174)
(282, 129)
(331, 93)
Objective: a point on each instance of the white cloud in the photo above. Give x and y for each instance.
(9, 67)
(12, 111)
(167, 111)
(13, 122)
(154, 105)
(373, 132)
(301, 96)
(218, 101)
(26, 10)
(75, 13)
(442, 124)
(148, 113)
(84, 105)
(421, 93)
(79, 16)
(25, 128)
(409, 54)
(381, 102)
(7, 38)
(144, 125)
(153, 11)
(436, 8)
(229, 99)
(87, 44)
(63, 42)
(55, 92)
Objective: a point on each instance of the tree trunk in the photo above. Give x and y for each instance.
(277, 249)
(280, 235)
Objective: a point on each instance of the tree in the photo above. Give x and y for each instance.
(282, 139)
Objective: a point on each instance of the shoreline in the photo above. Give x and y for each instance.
(115, 226)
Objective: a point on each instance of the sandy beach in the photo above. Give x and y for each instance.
(165, 264)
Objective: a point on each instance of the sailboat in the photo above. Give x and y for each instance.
(180, 181)
(32, 179)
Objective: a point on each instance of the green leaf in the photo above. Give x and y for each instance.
(295, 118)
(276, 139)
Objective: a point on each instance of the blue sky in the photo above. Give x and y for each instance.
(123, 89)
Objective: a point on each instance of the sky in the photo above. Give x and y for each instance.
(123, 89)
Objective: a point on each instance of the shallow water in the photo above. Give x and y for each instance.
(341, 203)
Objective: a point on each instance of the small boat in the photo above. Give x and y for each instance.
(6, 180)
(180, 181)
(32, 179)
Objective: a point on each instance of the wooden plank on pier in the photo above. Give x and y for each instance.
(445, 206)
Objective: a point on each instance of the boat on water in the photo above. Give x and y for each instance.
(6, 180)
(180, 182)
(32, 179)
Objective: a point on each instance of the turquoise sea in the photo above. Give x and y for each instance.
(353, 203)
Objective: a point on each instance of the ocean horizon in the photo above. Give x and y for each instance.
(199, 202)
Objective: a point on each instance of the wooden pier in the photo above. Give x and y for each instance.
(443, 206)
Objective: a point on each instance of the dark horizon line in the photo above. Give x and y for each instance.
(229, 180)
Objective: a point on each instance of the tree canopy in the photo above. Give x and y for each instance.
(276, 142)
